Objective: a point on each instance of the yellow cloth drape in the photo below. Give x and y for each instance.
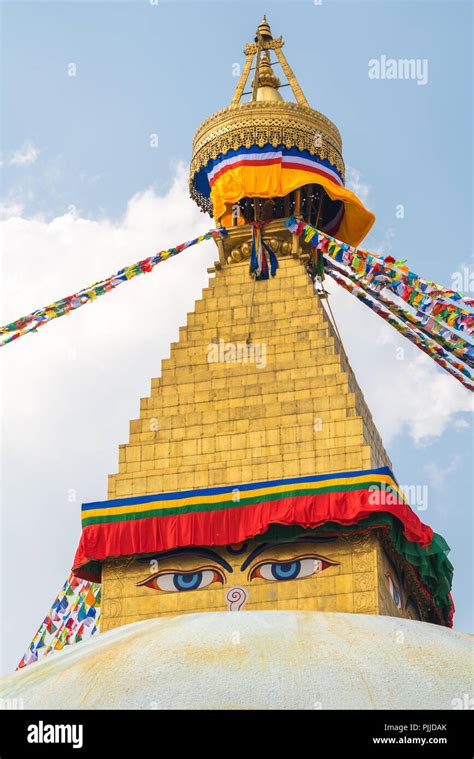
(271, 181)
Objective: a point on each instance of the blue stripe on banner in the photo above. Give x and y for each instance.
(230, 488)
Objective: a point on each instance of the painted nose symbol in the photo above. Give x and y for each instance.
(236, 598)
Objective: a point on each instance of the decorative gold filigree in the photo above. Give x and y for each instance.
(363, 582)
(111, 608)
(281, 115)
(365, 603)
(275, 44)
(363, 542)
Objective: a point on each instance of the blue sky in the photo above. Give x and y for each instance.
(77, 149)
(161, 69)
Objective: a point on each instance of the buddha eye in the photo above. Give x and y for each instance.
(177, 582)
(393, 590)
(293, 569)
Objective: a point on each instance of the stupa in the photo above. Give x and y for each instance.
(255, 479)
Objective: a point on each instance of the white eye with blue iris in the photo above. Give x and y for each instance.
(294, 569)
(172, 582)
(393, 590)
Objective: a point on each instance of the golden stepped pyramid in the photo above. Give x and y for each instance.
(208, 424)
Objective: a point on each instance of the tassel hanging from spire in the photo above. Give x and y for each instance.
(262, 255)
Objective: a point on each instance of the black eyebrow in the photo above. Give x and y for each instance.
(257, 551)
(203, 552)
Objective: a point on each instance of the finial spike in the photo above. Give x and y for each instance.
(263, 31)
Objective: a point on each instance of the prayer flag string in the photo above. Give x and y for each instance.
(442, 322)
(42, 316)
(407, 331)
(447, 346)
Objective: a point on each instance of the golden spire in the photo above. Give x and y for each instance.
(265, 118)
(258, 52)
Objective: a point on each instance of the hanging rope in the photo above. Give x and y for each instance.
(249, 337)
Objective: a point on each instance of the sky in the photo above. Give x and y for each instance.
(86, 87)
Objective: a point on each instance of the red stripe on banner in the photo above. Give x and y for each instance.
(312, 169)
(244, 162)
(234, 525)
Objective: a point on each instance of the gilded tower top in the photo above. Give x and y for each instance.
(265, 118)
(263, 147)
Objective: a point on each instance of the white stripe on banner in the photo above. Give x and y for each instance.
(311, 164)
(227, 162)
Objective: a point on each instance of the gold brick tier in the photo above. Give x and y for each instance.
(208, 424)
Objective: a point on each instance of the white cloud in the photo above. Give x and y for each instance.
(355, 182)
(73, 387)
(10, 208)
(405, 389)
(24, 156)
(378, 242)
(440, 476)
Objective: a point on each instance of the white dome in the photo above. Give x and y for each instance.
(257, 660)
